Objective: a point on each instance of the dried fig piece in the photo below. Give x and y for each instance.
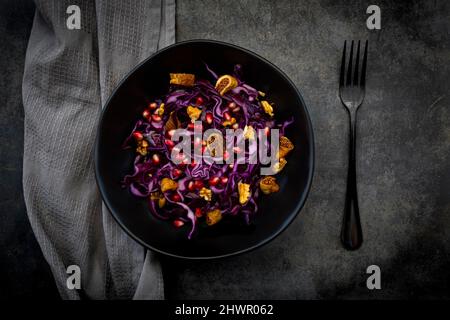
(269, 185)
(142, 147)
(182, 79)
(226, 83)
(277, 167)
(172, 123)
(285, 147)
(214, 144)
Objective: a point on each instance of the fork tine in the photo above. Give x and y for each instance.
(349, 70)
(355, 75)
(342, 77)
(364, 65)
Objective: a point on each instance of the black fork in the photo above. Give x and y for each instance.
(352, 85)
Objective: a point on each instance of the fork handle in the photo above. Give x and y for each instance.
(351, 233)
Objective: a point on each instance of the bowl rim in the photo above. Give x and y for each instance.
(281, 228)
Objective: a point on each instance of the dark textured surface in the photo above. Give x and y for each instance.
(24, 272)
(403, 153)
(403, 150)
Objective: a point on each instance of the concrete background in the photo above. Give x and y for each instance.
(403, 152)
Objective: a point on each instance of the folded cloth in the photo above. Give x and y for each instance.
(68, 77)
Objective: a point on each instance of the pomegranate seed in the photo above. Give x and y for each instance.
(226, 155)
(191, 186)
(155, 159)
(190, 126)
(213, 181)
(178, 223)
(199, 101)
(227, 116)
(237, 150)
(203, 149)
(232, 105)
(209, 117)
(138, 135)
(176, 197)
(156, 117)
(176, 173)
(192, 164)
(267, 131)
(223, 180)
(198, 213)
(146, 114)
(169, 143)
(198, 184)
(153, 105)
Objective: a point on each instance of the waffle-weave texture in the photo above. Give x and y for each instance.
(69, 74)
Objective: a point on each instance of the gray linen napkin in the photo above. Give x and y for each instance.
(68, 77)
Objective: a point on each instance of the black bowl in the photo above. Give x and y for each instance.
(149, 80)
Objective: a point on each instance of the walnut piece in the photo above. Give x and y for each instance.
(205, 194)
(158, 196)
(160, 110)
(244, 192)
(214, 216)
(193, 113)
(249, 133)
(229, 122)
(267, 108)
(168, 184)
